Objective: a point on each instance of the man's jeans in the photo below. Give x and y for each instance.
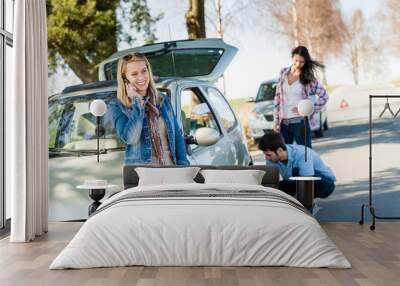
(295, 131)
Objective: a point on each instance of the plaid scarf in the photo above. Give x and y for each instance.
(153, 115)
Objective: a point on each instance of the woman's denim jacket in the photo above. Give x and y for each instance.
(132, 127)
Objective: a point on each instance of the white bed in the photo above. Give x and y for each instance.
(222, 225)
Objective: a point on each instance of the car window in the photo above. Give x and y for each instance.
(182, 63)
(266, 91)
(221, 106)
(195, 113)
(76, 126)
(55, 114)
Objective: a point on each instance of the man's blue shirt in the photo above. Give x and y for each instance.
(296, 159)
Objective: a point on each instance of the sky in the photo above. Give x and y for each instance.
(261, 54)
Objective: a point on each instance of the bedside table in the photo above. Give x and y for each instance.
(96, 193)
(305, 190)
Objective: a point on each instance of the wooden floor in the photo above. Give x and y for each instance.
(374, 255)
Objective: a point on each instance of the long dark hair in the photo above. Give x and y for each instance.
(310, 67)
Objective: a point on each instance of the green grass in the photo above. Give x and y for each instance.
(237, 103)
(396, 82)
(331, 88)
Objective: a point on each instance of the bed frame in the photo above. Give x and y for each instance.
(270, 179)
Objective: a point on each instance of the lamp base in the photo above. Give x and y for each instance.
(96, 195)
(305, 193)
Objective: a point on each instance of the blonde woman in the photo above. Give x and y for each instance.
(143, 118)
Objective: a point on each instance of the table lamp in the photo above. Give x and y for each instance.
(305, 108)
(98, 108)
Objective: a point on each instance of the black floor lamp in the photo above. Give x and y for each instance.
(305, 109)
(98, 108)
(305, 185)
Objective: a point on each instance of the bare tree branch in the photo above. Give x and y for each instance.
(391, 14)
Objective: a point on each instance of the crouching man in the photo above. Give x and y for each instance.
(290, 159)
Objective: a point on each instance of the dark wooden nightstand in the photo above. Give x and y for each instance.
(305, 190)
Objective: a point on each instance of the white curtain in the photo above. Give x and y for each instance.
(26, 117)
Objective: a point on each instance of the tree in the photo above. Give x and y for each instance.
(82, 33)
(218, 10)
(392, 17)
(355, 47)
(220, 21)
(195, 22)
(360, 49)
(316, 24)
(220, 15)
(141, 20)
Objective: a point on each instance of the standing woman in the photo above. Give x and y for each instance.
(295, 83)
(143, 118)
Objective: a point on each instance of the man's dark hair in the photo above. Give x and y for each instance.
(271, 141)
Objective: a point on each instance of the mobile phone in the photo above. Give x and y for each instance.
(126, 81)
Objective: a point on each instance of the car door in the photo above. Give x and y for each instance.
(196, 112)
(233, 142)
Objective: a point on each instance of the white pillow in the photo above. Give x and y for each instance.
(248, 177)
(166, 176)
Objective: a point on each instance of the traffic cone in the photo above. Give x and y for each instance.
(344, 104)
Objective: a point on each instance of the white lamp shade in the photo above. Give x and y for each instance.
(305, 107)
(98, 107)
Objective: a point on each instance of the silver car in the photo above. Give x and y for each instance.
(185, 71)
(261, 115)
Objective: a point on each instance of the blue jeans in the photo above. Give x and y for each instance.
(295, 131)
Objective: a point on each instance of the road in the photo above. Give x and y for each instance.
(345, 148)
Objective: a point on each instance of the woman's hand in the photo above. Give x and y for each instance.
(295, 110)
(131, 92)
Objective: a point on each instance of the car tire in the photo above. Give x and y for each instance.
(326, 127)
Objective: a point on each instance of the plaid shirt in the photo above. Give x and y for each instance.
(314, 90)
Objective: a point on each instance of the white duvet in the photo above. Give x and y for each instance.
(183, 231)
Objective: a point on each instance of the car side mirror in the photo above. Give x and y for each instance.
(206, 136)
(251, 99)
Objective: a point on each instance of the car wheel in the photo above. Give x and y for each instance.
(326, 127)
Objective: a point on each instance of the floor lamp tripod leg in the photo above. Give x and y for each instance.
(372, 210)
(361, 222)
